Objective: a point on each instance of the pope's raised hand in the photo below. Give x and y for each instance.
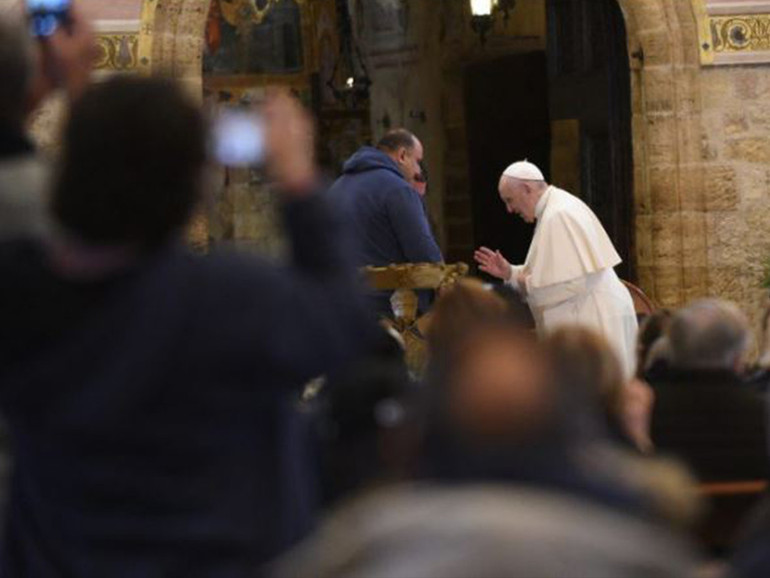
(493, 263)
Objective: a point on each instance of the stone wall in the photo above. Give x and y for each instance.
(702, 144)
(736, 145)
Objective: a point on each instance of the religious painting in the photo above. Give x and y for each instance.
(252, 37)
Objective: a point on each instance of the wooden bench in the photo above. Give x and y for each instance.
(729, 504)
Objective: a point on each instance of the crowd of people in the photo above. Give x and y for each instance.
(153, 417)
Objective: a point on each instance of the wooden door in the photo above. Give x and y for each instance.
(507, 119)
(590, 85)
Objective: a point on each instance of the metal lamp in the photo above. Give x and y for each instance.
(483, 13)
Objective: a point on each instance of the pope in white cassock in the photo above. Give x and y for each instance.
(568, 276)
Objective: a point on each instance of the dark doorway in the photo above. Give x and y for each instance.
(508, 120)
(590, 86)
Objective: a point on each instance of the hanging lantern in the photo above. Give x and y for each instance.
(483, 14)
(350, 65)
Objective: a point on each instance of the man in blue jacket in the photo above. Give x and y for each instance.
(386, 214)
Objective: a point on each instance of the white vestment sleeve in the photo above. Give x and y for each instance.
(513, 281)
(550, 295)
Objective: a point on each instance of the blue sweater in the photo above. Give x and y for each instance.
(153, 413)
(384, 212)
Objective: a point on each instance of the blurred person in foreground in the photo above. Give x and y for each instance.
(759, 374)
(464, 305)
(486, 531)
(30, 71)
(651, 348)
(751, 555)
(704, 411)
(150, 392)
(586, 366)
(497, 413)
(505, 491)
(371, 426)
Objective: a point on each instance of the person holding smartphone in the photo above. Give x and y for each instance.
(31, 69)
(151, 392)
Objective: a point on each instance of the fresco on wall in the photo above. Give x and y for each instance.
(251, 37)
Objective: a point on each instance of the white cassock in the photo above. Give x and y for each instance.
(571, 277)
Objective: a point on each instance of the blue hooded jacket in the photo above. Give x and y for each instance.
(385, 214)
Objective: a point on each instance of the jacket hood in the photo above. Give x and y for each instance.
(370, 159)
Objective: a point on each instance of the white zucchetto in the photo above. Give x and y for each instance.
(524, 171)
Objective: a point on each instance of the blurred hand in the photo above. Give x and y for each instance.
(66, 58)
(493, 263)
(289, 141)
(638, 401)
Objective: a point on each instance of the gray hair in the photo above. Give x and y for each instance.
(708, 334)
(16, 69)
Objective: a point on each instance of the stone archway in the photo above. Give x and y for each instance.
(670, 175)
(669, 172)
(671, 180)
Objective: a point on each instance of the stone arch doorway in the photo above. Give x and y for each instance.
(567, 108)
(668, 174)
(668, 212)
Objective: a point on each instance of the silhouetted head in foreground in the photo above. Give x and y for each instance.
(134, 151)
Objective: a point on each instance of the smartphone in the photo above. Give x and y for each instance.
(46, 16)
(238, 138)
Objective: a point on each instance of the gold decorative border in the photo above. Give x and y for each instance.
(146, 36)
(727, 39)
(118, 52)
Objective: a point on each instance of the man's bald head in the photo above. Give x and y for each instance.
(709, 334)
(406, 150)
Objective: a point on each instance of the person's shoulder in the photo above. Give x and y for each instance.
(386, 177)
(225, 268)
(375, 181)
(567, 208)
(566, 202)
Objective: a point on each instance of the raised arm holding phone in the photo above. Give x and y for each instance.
(150, 392)
(32, 67)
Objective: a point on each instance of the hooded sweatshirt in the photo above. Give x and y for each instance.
(385, 214)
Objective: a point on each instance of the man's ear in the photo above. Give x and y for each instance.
(402, 154)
